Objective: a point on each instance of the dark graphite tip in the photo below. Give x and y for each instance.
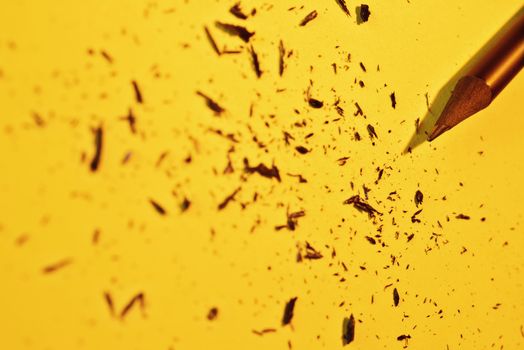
(437, 131)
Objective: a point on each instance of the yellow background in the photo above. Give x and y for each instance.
(185, 263)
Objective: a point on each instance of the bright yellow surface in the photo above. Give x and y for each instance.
(185, 263)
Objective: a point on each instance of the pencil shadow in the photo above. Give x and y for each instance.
(436, 106)
(358, 11)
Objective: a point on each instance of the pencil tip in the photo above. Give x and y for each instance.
(471, 94)
(438, 130)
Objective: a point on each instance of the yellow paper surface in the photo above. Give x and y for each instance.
(460, 282)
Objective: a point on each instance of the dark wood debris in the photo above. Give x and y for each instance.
(158, 208)
(138, 93)
(57, 266)
(359, 204)
(343, 6)
(281, 57)
(393, 100)
(463, 217)
(396, 297)
(211, 104)
(288, 311)
(364, 13)
(371, 131)
(212, 41)
(264, 331)
(315, 103)
(137, 299)
(235, 30)
(236, 11)
(348, 327)
(301, 149)
(99, 139)
(255, 61)
(212, 314)
(310, 16)
(292, 220)
(414, 218)
(228, 199)
(312, 253)
(262, 170)
(419, 197)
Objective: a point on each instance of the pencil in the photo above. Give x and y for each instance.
(486, 79)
